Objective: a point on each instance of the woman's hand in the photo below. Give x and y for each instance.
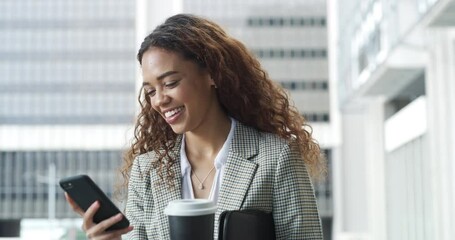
(94, 230)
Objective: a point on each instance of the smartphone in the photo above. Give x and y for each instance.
(85, 192)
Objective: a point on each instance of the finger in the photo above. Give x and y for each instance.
(88, 215)
(73, 205)
(102, 226)
(114, 234)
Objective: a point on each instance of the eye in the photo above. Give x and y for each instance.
(149, 92)
(171, 84)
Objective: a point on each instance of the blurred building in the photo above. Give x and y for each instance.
(68, 86)
(67, 98)
(394, 61)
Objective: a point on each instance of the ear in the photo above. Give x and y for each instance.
(212, 82)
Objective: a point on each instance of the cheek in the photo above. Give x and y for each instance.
(186, 97)
(182, 95)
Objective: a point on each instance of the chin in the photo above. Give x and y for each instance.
(177, 129)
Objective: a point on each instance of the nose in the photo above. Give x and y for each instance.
(161, 98)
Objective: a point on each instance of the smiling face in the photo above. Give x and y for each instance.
(178, 89)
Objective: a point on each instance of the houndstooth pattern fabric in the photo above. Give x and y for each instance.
(262, 172)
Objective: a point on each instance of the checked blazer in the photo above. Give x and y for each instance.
(262, 172)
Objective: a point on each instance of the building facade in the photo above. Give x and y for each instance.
(67, 99)
(393, 61)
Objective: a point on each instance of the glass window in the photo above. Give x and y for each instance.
(323, 22)
(325, 117)
(325, 85)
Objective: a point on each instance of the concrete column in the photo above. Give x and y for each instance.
(375, 158)
(151, 13)
(354, 206)
(440, 90)
(362, 174)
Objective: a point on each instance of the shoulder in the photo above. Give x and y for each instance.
(248, 132)
(263, 143)
(144, 161)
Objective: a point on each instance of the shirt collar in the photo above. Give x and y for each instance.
(184, 164)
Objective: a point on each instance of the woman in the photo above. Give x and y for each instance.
(213, 125)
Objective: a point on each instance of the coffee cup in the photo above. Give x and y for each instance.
(191, 219)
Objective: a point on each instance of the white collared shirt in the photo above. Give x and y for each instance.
(220, 162)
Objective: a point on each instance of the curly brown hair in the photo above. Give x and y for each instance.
(244, 90)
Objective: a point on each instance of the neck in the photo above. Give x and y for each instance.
(206, 143)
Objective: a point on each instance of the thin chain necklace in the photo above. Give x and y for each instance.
(201, 183)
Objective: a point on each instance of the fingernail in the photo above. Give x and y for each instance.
(119, 216)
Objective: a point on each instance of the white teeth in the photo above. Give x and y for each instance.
(172, 112)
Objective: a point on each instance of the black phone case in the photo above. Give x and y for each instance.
(248, 224)
(85, 192)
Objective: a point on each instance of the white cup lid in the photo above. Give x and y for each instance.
(190, 207)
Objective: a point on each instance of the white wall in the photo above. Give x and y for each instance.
(440, 85)
(409, 192)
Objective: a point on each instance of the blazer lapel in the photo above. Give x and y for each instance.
(162, 194)
(239, 171)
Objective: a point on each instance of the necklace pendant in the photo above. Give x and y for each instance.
(201, 187)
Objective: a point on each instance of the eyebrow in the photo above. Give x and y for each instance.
(160, 77)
